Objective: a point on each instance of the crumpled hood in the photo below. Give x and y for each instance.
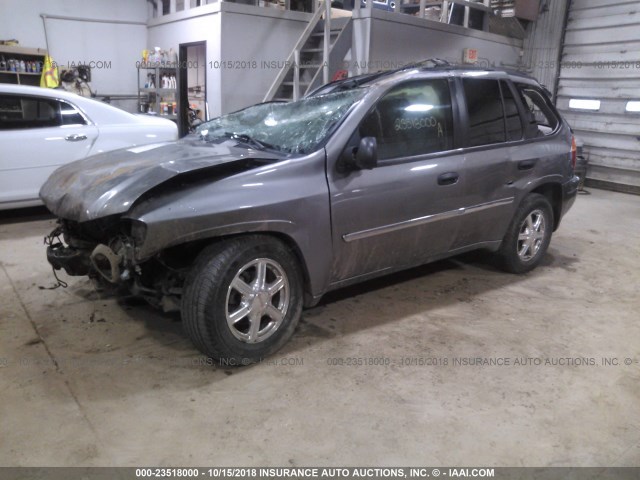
(110, 183)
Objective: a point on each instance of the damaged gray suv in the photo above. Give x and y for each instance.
(263, 211)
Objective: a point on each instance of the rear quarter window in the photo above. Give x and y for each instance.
(70, 115)
(540, 120)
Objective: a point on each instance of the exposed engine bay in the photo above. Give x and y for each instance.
(104, 250)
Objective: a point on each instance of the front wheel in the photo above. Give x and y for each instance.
(243, 299)
(528, 236)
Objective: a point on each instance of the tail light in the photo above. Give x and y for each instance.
(574, 152)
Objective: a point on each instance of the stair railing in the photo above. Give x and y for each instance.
(298, 46)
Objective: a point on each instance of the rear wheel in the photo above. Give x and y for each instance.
(528, 236)
(243, 299)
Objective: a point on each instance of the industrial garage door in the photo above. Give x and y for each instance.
(599, 88)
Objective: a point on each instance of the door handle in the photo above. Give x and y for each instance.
(526, 164)
(75, 137)
(450, 178)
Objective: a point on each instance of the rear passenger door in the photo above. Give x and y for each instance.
(493, 126)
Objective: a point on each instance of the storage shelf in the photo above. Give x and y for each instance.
(166, 91)
(154, 97)
(16, 53)
(20, 73)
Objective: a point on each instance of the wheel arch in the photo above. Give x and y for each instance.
(195, 247)
(553, 193)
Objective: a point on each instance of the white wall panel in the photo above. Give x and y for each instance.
(601, 60)
(542, 44)
(95, 36)
(399, 39)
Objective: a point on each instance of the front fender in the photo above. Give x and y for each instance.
(155, 240)
(290, 198)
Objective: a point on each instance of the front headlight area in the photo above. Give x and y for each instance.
(138, 231)
(114, 258)
(107, 250)
(102, 248)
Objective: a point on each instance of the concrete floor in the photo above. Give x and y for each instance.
(90, 381)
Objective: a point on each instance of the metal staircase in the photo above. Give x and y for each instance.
(304, 70)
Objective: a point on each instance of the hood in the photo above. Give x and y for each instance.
(110, 183)
(154, 120)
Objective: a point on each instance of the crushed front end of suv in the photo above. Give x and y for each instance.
(263, 211)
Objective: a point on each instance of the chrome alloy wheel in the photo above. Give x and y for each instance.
(531, 236)
(257, 300)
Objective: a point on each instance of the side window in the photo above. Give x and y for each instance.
(19, 112)
(413, 118)
(71, 115)
(511, 114)
(539, 117)
(486, 118)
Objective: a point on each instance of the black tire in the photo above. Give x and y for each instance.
(208, 295)
(521, 256)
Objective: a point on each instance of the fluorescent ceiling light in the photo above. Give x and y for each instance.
(633, 106)
(579, 104)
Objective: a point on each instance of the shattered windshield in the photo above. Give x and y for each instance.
(294, 127)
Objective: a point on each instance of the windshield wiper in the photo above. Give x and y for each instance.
(244, 138)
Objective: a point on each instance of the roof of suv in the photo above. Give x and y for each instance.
(434, 65)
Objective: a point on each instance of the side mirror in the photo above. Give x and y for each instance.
(365, 156)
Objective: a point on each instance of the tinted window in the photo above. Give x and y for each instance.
(70, 115)
(512, 116)
(19, 112)
(28, 112)
(484, 103)
(539, 117)
(413, 118)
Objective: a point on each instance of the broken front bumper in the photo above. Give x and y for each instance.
(75, 262)
(94, 259)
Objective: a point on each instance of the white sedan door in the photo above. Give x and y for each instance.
(37, 135)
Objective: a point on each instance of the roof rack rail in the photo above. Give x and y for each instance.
(352, 82)
(437, 62)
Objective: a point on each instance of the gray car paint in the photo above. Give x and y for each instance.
(110, 183)
(305, 199)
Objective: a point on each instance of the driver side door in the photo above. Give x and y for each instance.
(407, 209)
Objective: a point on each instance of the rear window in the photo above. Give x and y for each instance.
(540, 120)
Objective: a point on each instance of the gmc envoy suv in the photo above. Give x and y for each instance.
(264, 210)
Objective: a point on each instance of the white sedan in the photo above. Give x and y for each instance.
(41, 129)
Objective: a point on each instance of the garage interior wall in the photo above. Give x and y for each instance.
(601, 61)
(404, 38)
(542, 43)
(385, 40)
(170, 31)
(273, 36)
(224, 27)
(389, 39)
(114, 47)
